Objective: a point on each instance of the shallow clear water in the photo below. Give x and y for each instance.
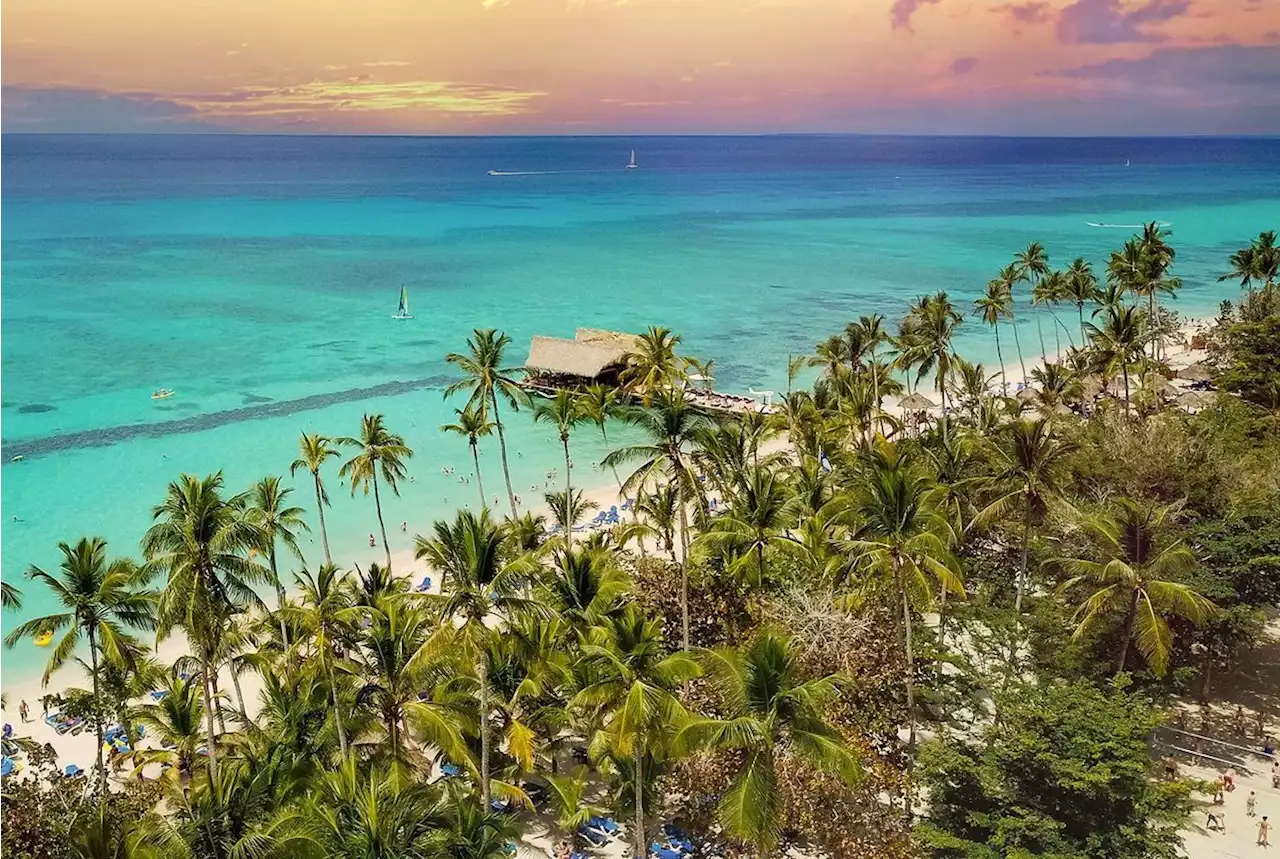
(256, 277)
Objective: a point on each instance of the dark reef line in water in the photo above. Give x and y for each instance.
(158, 429)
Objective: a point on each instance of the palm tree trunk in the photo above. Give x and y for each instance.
(1128, 631)
(1013, 323)
(222, 719)
(910, 670)
(324, 534)
(377, 503)
(337, 711)
(100, 768)
(206, 672)
(235, 682)
(639, 846)
(1004, 382)
(568, 490)
(1151, 314)
(1021, 584)
(475, 458)
(1125, 367)
(506, 470)
(482, 671)
(1044, 356)
(275, 577)
(1080, 311)
(684, 575)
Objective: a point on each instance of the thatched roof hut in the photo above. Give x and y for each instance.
(593, 355)
(1195, 401)
(916, 403)
(1197, 372)
(556, 356)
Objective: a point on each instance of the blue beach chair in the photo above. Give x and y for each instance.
(73, 771)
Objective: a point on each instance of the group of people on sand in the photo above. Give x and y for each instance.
(727, 402)
(1226, 783)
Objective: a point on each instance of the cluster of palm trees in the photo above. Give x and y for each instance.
(391, 722)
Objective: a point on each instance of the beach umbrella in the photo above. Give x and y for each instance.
(917, 403)
(1197, 372)
(1026, 395)
(1194, 401)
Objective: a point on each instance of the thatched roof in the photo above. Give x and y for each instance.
(1090, 387)
(585, 359)
(1197, 372)
(917, 403)
(1026, 395)
(622, 339)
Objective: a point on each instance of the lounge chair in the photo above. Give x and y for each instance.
(662, 852)
(450, 770)
(594, 837)
(73, 771)
(425, 585)
(607, 824)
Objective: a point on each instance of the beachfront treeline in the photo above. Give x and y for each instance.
(838, 624)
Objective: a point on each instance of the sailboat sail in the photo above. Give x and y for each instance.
(403, 311)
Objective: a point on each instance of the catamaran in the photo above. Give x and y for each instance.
(631, 165)
(403, 311)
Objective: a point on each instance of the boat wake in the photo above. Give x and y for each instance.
(1127, 226)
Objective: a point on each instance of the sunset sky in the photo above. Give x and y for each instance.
(643, 66)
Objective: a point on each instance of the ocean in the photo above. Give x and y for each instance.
(256, 277)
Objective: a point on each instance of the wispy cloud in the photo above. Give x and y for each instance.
(902, 11)
(380, 64)
(1031, 12)
(964, 65)
(1112, 21)
(72, 109)
(360, 95)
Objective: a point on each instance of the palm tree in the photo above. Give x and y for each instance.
(278, 524)
(315, 450)
(474, 425)
(357, 814)
(1157, 256)
(873, 337)
(380, 450)
(901, 546)
(761, 511)
(670, 425)
(652, 365)
(564, 412)
(1057, 384)
(599, 403)
(1032, 265)
(996, 304)
(631, 686)
(661, 512)
(482, 589)
(101, 597)
(473, 832)
(174, 721)
(1028, 474)
(1258, 261)
(327, 618)
(938, 321)
(10, 596)
(768, 709)
(487, 382)
(1135, 576)
(396, 672)
(201, 541)
(1119, 342)
(1080, 287)
(567, 795)
(583, 586)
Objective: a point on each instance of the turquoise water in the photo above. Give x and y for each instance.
(256, 277)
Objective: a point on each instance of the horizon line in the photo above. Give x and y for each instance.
(603, 135)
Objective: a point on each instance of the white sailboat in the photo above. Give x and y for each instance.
(403, 311)
(631, 165)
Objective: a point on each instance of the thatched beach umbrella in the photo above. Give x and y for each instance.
(1197, 372)
(916, 403)
(1090, 387)
(1194, 401)
(1166, 389)
(1027, 395)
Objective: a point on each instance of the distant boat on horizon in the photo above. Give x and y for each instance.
(631, 165)
(403, 311)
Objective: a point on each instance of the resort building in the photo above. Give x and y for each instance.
(593, 355)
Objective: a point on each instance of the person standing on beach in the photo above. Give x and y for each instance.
(1264, 832)
(1251, 805)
